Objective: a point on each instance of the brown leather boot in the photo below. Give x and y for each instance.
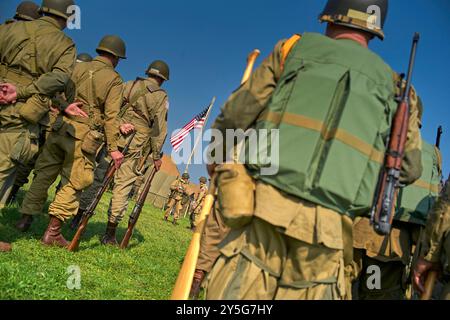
(53, 236)
(5, 247)
(110, 235)
(77, 219)
(199, 275)
(24, 223)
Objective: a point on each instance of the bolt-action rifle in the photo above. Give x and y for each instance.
(383, 210)
(87, 215)
(134, 216)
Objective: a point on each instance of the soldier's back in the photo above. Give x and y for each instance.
(92, 80)
(34, 47)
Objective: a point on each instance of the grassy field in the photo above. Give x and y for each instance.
(147, 270)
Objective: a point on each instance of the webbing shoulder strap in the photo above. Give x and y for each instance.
(287, 48)
(131, 100)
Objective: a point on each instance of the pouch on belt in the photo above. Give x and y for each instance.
(236, 194)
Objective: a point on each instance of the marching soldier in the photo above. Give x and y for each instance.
(71, 148)
(214, 233)
(145, 110)
(84, 57)
(333, 98)
(393, 254)
(178, 189)
(435, 253)
(36, 61)
(46, 123)
(198, 202)
(26, 11)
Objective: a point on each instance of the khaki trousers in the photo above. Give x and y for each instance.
(259, 262)
(61, 155)
(16, 148)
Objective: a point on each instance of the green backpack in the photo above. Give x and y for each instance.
(333, 107)
(415, 201)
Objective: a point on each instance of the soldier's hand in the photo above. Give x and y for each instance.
(157, 164)
(127, 128)
(8, 93)
(54, 110)
(420, 273)
(117, 157)
(74, 110)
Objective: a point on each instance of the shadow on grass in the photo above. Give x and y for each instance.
(95, 229)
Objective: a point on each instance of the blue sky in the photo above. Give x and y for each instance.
(206, 44)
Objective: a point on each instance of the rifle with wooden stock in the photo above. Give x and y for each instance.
(185, 276)
(383, 210)
(90, 211)
(134, 216)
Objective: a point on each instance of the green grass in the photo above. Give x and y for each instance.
(147, 270)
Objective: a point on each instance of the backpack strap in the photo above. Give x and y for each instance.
(132, 99)
(287, 48)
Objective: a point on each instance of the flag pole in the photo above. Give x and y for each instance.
(199, 138)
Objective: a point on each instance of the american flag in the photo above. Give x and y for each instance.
(197, 123)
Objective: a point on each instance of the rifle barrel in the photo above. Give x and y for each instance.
(412, 60)
(438, 137)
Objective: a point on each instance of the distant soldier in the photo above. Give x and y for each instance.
(331, 100)
(393, 254)
(144, 110)
(178, 189)
(84, 57)
(198, 202)
(26, 11)
(30, 83)
(71, 148)
(435, 253)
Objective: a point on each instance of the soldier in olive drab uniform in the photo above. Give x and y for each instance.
(26, 11)
(36, 61)
(298, 244)
(145, 111)
(71, 148)
(198, 202)
(394, 254)
(214, 233)
(178, 189)
(435, 253)
(24, 171)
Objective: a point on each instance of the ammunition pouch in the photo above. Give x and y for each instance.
(236, 195)
(35, 109)
(92, 142)
(25, 148)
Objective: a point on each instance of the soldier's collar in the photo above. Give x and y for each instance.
(50, 20)
(153, 82)
(104, 60)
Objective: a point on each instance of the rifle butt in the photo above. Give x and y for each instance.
(429, 285)
(126, 238)
(75, 243)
